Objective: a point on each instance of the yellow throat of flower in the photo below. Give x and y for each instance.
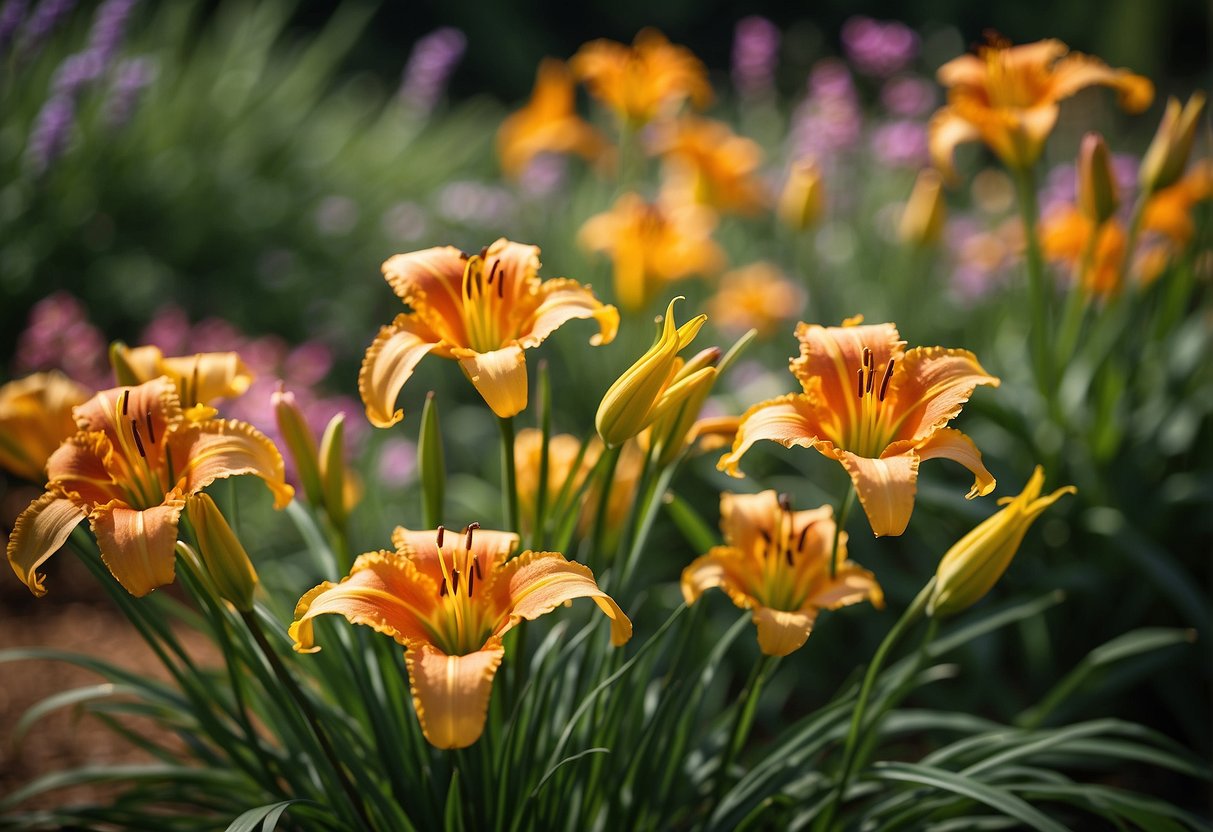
(785, 579)
(486, 305)
(462, 622)
(138, 445)
(873, 427)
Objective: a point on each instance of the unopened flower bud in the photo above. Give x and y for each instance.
(222, 554)
(1167, 155)
(975, 563)
(926, 211)
(672, 423)
(340, 490)
(1097, 198)
(802, 201)
(301, 443)
(631, 404)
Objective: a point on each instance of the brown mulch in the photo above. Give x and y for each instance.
(75, 615)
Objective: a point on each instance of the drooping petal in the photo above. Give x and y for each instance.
(950, 443)
(565, 300)
(885, 486)
(1077, 71)
(850, 585)
(535, 583)
(790, 420)
(38, 533)
(222, 448)
(84, 468)
(779, 632)
(384, 591)
(723, 567)
(138, 546)
(388, 364)
(930, 386)
(945, 131)
(499, 376)
(432, 278)
(451, 693)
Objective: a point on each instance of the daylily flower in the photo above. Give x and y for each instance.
(547, 124)
(129, 469)
(802, 200)
(35, 417)
(481, 310)
(757, 296)
(652, 244)
(200, 378)
(650, 78)
(707, 163)
(877, 409)
(449, 598)
(1007, 96)
(776, 562)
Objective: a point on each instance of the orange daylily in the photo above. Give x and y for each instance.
(1007, 96)
(547, 124)
(652, 244)
(757, 296)
(706, 162)
(876, 408)
(481, 310)
(35, 417)
(650, 78)
(200, 378)
(776, 562)
(449, 601)
(129, 469)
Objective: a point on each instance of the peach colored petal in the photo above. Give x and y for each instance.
(722, 567)
(38, 533)
(489, 547)
(227, 448)
(84, 467)
(451, 693)
(384, 591)
(432, 277)
(850, 585)
(118, 411)
(1077, 71)
(138, 546)
(535, 583)
(950, 443)
(790, 420)
(563, 300)
(207, 376)
(499, 376)
(964, 71)
(835, 354)
(388, 364)
(930, 386)
(886, 488)
(945, 131)
(779, 632)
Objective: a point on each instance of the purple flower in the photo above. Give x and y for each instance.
(908, 96)
(51, 130)
(830, 120)
(901, 144)
(545, 175)
(474, 203)
(755, 53)
(45, 19)
(109, 26)
(11, 15)
(60, 336)
(879, 49)
(130, 78)
(429, 67)
(397, 463)
(76, 72)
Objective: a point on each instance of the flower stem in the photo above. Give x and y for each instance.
(1037, 290)
(509, 474)
(840, 522)
(747, 704)
(908, 618)
(305, 708)
(606, 478)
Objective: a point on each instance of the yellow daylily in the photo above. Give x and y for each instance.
(650, 78)
(652, 244)
(757, 296)
(971, 567)
(547, 124)
(481, 310)
(449, 598)
(1007, 96)
(200, 378)
(876, 408)
(129, 469)
(707, 163)
(776, 562)
(35, 417)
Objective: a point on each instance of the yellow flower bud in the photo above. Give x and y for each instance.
(1167, 155)
(975, 563)
(672, 423)
(633, 401)
(340, 492)
(1097, 198)
(926, 211)
(225, 559)
(301, 443)
(803, 199)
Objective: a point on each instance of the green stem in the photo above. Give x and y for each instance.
(305, 708)
(908, 618)
(509, 474)
(606, 478)
(1039, 293)
(539, 528)
(747, 704)
(840, 522)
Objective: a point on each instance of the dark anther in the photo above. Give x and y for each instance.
(442, 589)
(471, 583)
(493, 271)
(471, 528)
(788, 554)
(867, 357)
(476, 567)
(765, 535)
(871, 378)
(126, 395)
(501, 288)
(455, 579)
(884, 384)
(151, 432)
(138, 439)
(859, 386)
(484, 252)
(785, 502)
(441, 532)
(800, 541)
